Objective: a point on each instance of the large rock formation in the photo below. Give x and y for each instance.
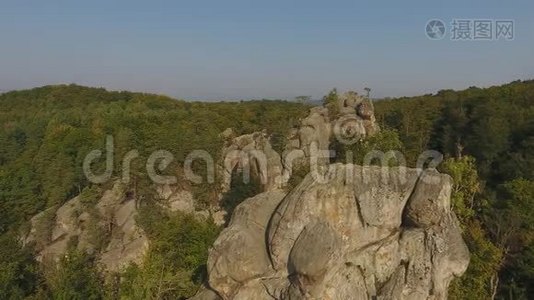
(252, 154)
(364, 233)
(315, 130)
(109, 225)
(106, 226)
(175, 198)
(356, 117)
(349, 119)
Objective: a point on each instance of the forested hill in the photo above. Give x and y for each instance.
(491, 129)
(46, 133)
(495, 125)
(486, 136)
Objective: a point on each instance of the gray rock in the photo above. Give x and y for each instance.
(305, 144)
(365, 110)
(359, 235)
(254, 154)
(112, 220)
(205, 294)
(182, 201)
(240, 254)
(313, 252)
(430, 199)
(315, 130)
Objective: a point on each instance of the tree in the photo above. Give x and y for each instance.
(466, 186)
(75, 277)
(481, 278)
(175, 264)
(19, 274)
(330, 102)
(303, 99)
(368, 92)
(513, 227)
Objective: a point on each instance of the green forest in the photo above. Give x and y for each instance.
(485, 134)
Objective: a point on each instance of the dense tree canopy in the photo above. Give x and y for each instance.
(46, 133)
(495, 126)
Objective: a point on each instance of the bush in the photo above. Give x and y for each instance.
(175, 264)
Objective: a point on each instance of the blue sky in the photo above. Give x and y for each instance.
(257, 49)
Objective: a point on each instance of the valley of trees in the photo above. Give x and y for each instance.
(486, 136)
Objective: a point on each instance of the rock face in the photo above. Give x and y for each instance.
(107, 226)
(360, 233)
(247, 227)
(356, 116)
(110, 224)
(179, 199)
(253, 154)
(315, 128)
(349, 119)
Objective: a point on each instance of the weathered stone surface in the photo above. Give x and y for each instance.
(348, 120)
(313, 252)
(315, 130)
(306, 144)
(174, 198)
(359, 112)
(240, 253)
(112, 220)
(254, 155)
(430, 200)
(182, 201)
(128, 242)
(359, 233)
(205, 294)
(365, 110)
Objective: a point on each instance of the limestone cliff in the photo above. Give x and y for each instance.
(366, 233)
(109, 225)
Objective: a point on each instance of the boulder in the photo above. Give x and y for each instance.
(363, 233)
